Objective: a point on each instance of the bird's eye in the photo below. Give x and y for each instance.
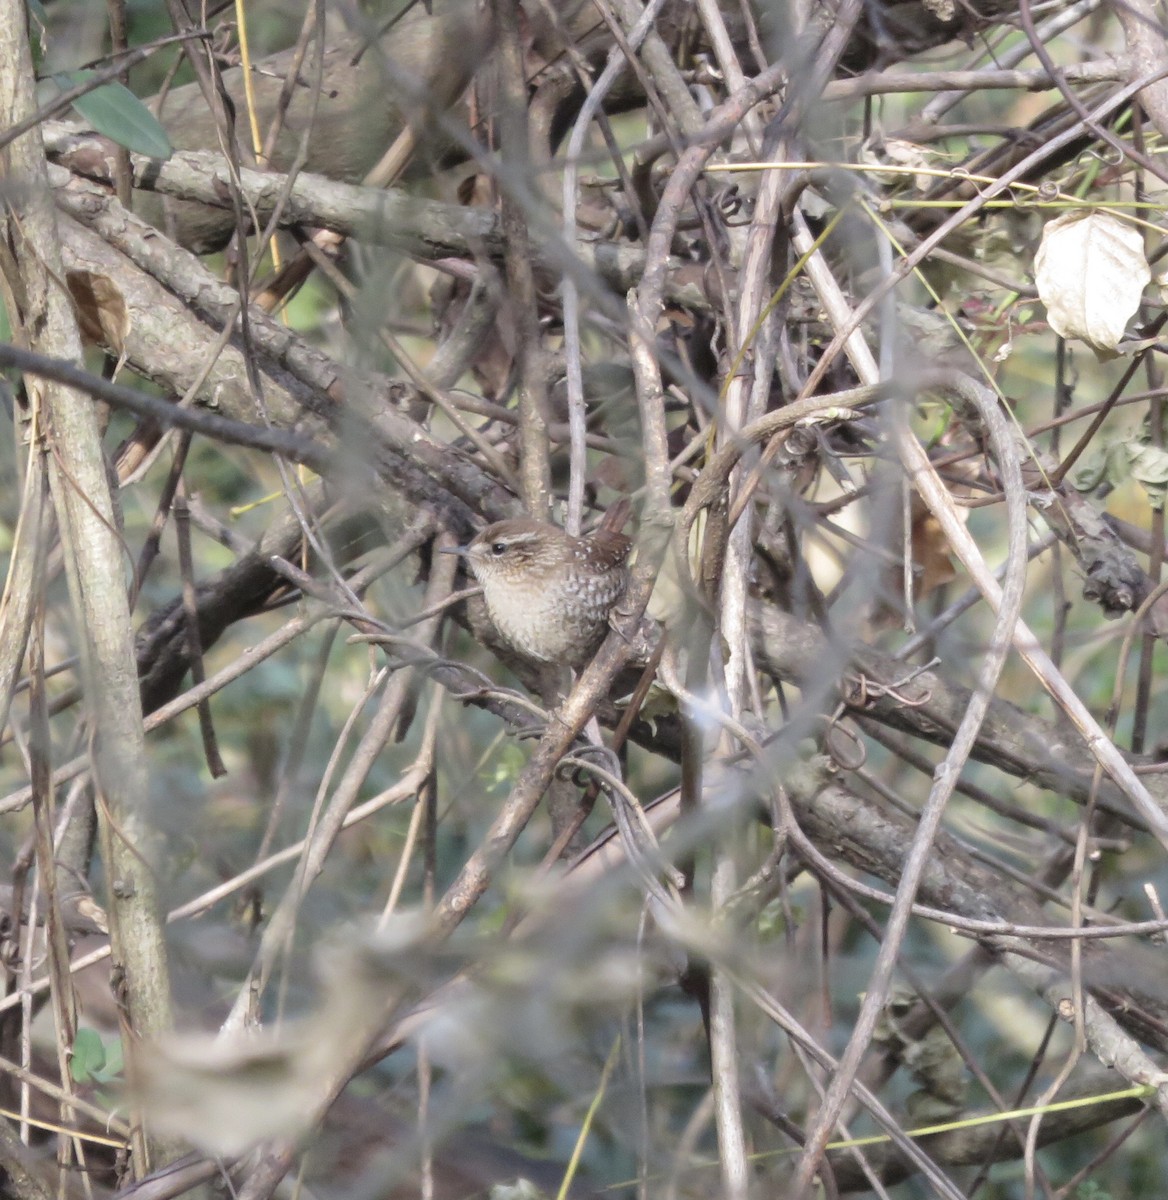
(498, 548)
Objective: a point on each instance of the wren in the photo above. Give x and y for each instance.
(547, 593)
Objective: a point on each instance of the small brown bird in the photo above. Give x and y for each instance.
(549, 594)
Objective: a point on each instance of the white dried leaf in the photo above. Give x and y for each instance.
(1091, 271)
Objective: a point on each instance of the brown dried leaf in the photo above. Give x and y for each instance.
(101, 310)
(931, 552)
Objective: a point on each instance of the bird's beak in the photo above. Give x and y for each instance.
(462, 551)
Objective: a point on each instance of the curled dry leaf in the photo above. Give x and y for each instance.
(1156, 619)
(897, 154)
(101, 310)
(1091, 271)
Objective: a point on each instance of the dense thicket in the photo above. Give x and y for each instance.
(855, 823)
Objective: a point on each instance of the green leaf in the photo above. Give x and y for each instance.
(113, 110)
(1101, 463)
(39, 19)
(93, 1061)
(113, 1061)
(1149, 467)
(88, 1056)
